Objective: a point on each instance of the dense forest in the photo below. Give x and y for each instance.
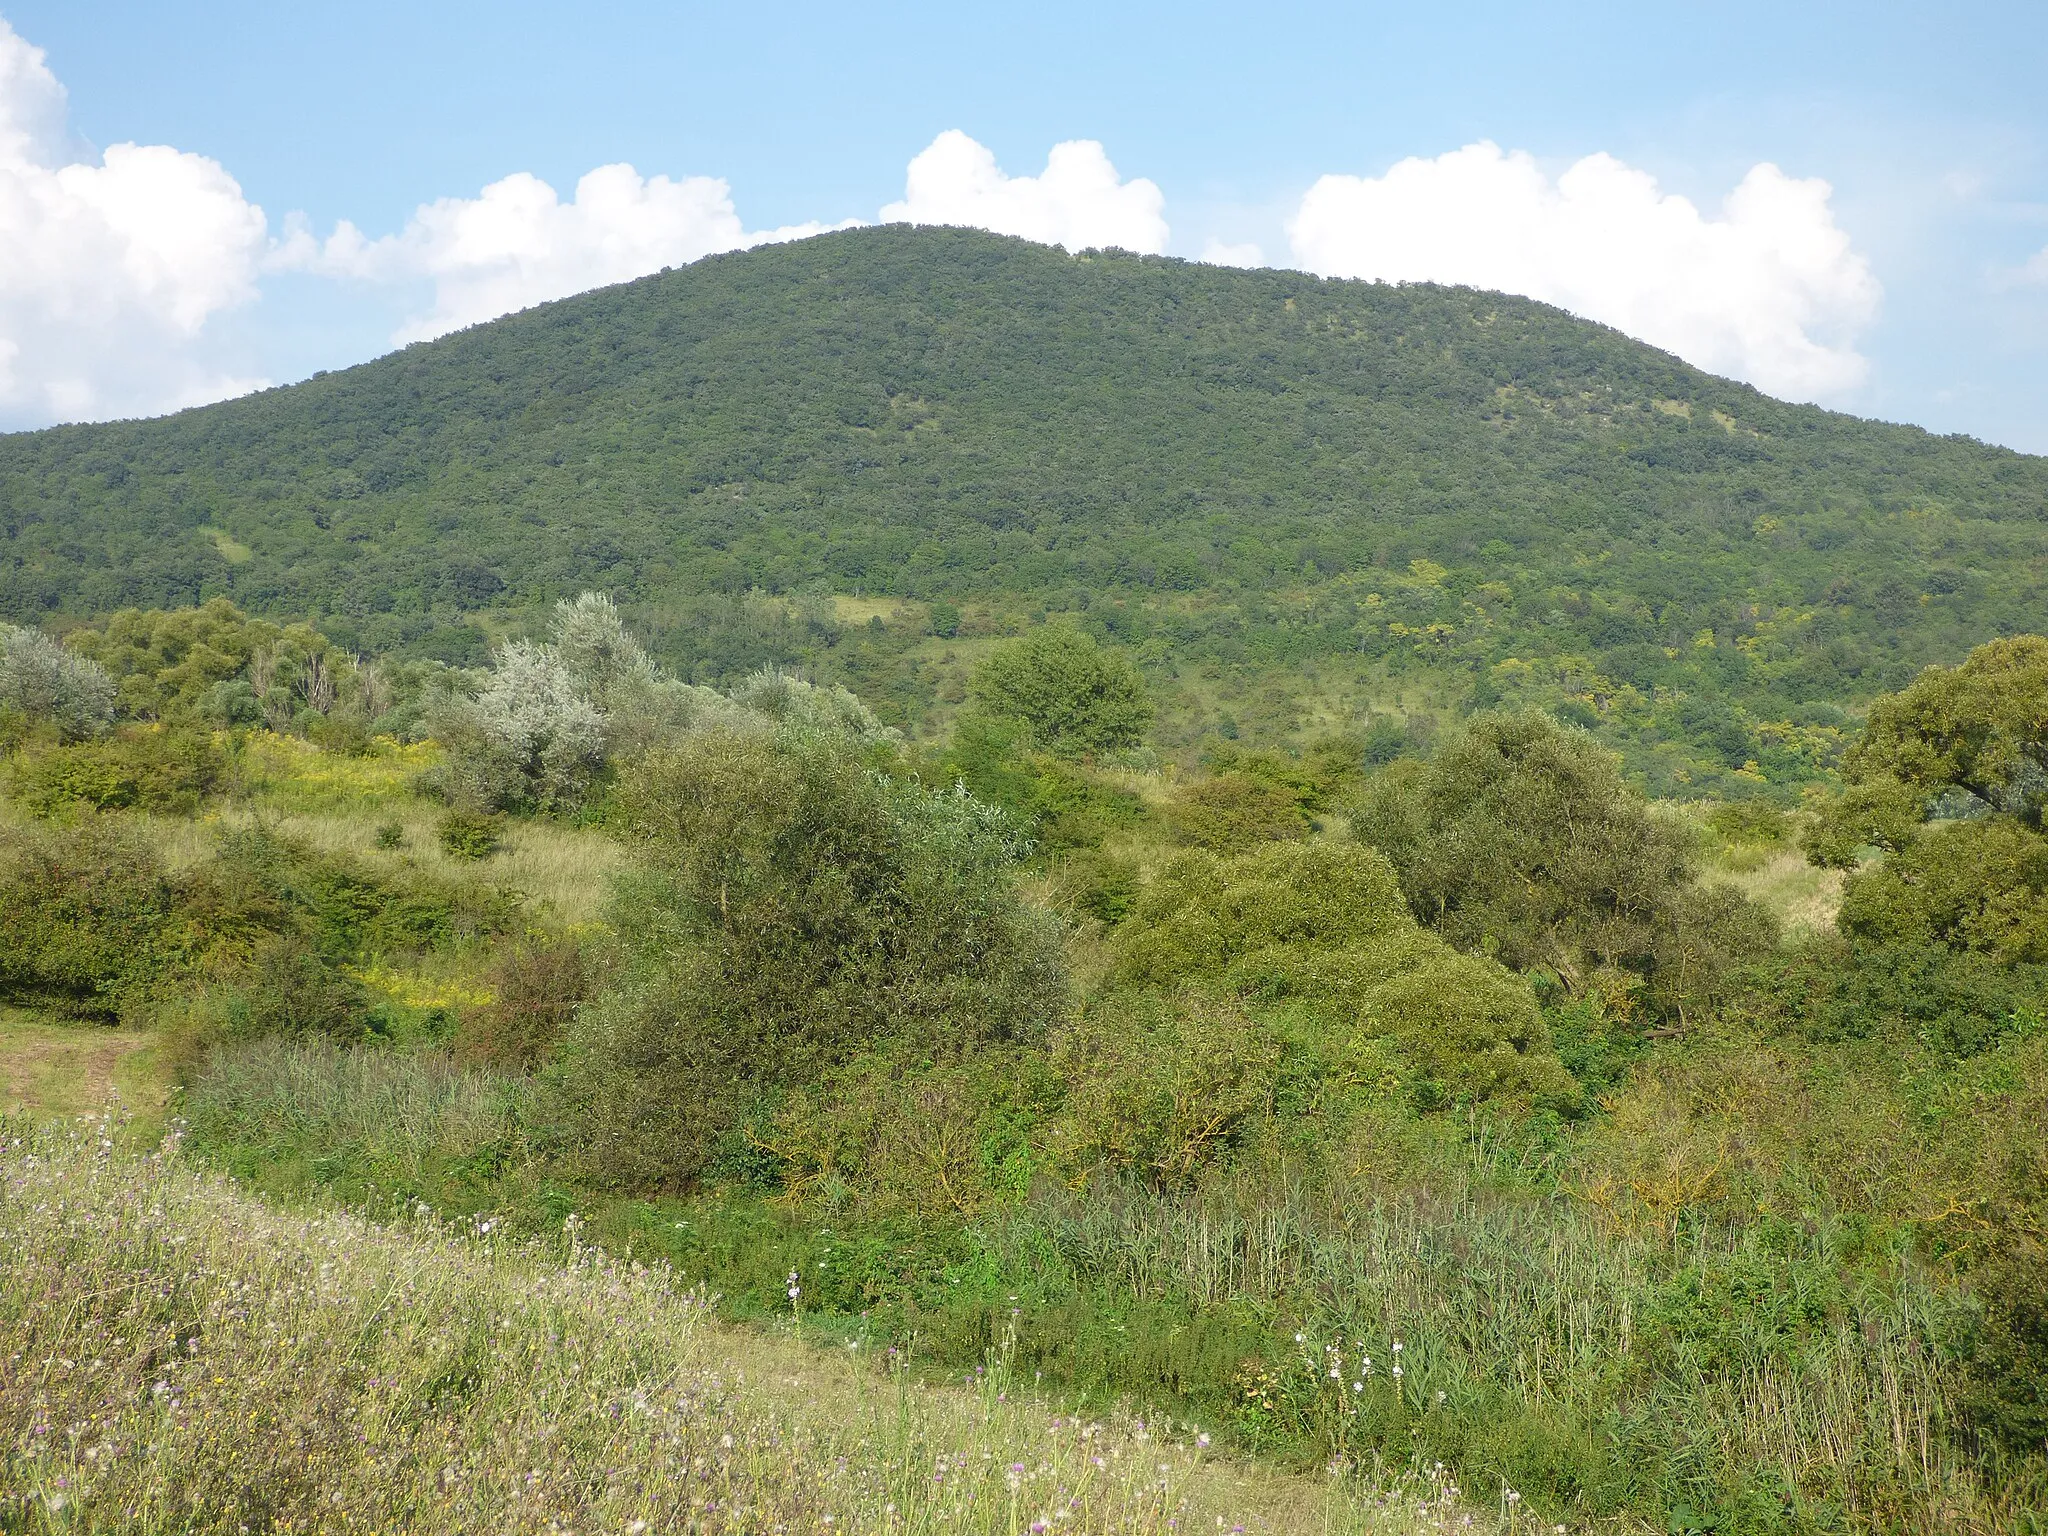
(1245, 476)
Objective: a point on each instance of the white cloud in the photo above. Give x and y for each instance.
(517, 244)
(1771, 291)
(1078, 201)
(110, 266)
(1221, 253)
(2035, 268)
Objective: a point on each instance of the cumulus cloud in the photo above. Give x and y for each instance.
(1770, 291)
(1221, 253)
(1078, 201)
(517, 244)
(110, 265)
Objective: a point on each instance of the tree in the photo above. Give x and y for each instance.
(1949, 780)
(1078, 698)
(798, 907)
(1521, 840)
(50, 685)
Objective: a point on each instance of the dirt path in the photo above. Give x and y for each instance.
(66, 1068)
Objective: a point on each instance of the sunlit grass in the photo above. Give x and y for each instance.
(61, 1068)
(190, 1358)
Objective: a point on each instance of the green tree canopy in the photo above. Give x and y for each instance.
(1520, 839)
(1078, 697)
(1949, 779)
(799, 906)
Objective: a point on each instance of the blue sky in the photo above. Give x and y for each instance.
(1914, 288)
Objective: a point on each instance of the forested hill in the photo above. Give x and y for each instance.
(1254, 465)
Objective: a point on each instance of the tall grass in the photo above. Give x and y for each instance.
(1751, 1379)
(1603, 1362)
(180, 1356)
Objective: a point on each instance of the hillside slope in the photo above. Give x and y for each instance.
(1253, 467)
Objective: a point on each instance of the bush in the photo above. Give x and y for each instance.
(1234, 810)
(148, 768)
(1978, 885)
(88, 915)
(798, 908)
(49, 685)
(1322, 926)
(1520, 841)
(893, 1133)
(1077, 698)
(467, 834)
(536, 986)
(1161, 1085)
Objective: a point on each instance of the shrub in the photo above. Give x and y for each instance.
(215, 666)
(141, 768)
(530, 737)
(1979, 885)
(1322, 925)
(1968, 743)
(1205, 914)
(1520, 841)
(50, 685)
(88, 915)
(1077, 698)
(1161, 1084)
(468, 834)
(900, 1134)
(798, 909)
(536, 986)
(1234, 810)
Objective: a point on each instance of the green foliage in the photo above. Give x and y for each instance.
(1979, 885)
(1229, 811)
(798, 908)
(1980, 727)
(1161, 1086)
(1253, 469)
(1521, 840)
(893, 1133)
(1323, 924)
(1078, 698)
(1063, 806)
(144, 768)
(1251, 797)
(1968, 742)
(88, 913)
(1955, 1003)
(216, 666)
(469, 834)
(536, 986)
(1750, 821)
(43, 683)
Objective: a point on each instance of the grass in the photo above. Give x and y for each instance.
(59, 1068)
(338, 804)
(1601, 1348)
(1803, 899)
(185, 1357)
